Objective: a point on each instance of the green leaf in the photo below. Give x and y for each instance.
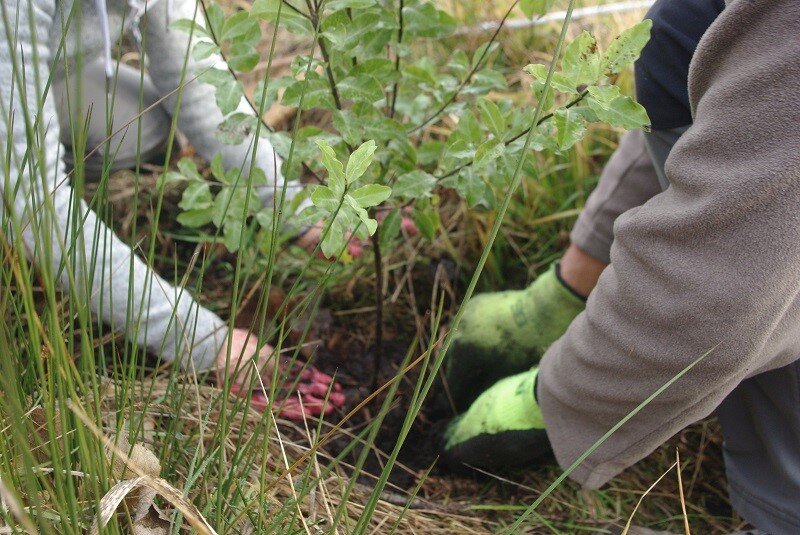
(232, 235)
(382, 69)
(457, 151)
(535, 7)
(189, 26)
(492, 117)
(216, 18)
(365, 34)
(616, 109)
(265, 219)
(336, 176)
(371, 195)
(390, 228)
(429, 153)
(195, 218)
(603, 95)
(570, 127)
(228, 97)
(488, 151)
(370, 224)
(427, 221)
(217, 168)
(324, 197)
(470, 129)
(486, 80)
(416, 184)
(383, 129)
(228, 92)
(425, 20)
(170, 176)
(420, 75)
(336, 5)
(271, 86)
(360, 89)
(235, 128)
(314, 91)
(348, 126)
(229, 204)
(469, 185)
(359, 161)
(243, 57)
(559, 81)
(626, 47)
(302, 64)
(241, 28)
(459, 63)
(204, 49)
(582, 63)
(197, 196)
(334, 242)
(258, 177)
(289, 18)
(188, 168)
(483, 51)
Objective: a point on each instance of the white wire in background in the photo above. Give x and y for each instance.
(579, 13)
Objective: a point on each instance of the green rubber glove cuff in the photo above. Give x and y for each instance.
(509, 405)
(504, 333)
(552, 305)
(503, 427)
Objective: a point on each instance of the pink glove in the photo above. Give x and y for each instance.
(308, 399)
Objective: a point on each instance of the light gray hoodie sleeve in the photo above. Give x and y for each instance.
(166, 50)
(710, 266)
(64, 236)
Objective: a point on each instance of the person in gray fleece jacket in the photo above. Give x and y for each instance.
(694, 278)
(44, 102)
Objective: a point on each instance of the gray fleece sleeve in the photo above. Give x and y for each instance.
(711, 265)
(66, 238)
(166, 51)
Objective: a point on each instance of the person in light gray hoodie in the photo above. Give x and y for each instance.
(55, 64)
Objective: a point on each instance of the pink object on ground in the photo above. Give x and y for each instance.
(408, 226)
(315, 394)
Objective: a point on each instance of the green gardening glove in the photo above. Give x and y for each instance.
(504, 333)
(502, 428)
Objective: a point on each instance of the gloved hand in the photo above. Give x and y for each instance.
(502, 428)
(504, 333)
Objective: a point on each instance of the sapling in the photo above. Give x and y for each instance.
(385, 99)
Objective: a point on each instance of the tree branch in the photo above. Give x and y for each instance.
(460, 168)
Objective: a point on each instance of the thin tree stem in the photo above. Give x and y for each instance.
(378, 358)
(395, 87)
(329, 72)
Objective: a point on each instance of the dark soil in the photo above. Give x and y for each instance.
(350, 354)
(355, 373)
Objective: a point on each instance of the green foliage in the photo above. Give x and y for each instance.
(228, 201)
(535, 7)
(625, 48)
(584, 81)
(343, 201)
(383, 95)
